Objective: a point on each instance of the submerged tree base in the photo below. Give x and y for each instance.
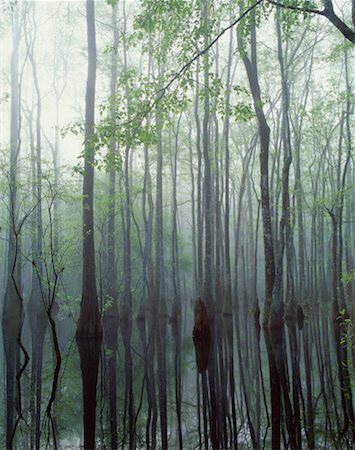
(89, 351)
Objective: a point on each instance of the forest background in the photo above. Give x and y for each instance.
(153, 153)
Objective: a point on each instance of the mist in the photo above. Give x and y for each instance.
(177, 235)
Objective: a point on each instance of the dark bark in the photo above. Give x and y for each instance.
(202, 335)
(293, 418)
(12, 314)
(272, 322)
(264, 134)
(176, 330)
(89, 324)
(36, 310)
(328, 12)
(89, 331)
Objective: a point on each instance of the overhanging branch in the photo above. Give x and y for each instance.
(205, 50)
(327, 12)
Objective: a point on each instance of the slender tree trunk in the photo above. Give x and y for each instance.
(273, 324)
(207, 289)
(226, 132)
(160, 300)
(199, 185)
(12, 307)
(148, 312)
(89, 331)
(126, 314)
(110, 317)
(36, 310)
(286, 244)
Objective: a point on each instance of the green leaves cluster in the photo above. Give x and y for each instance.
(291, 19)
(163, 21)
(239, 107)
(112, 3)
(348, 277)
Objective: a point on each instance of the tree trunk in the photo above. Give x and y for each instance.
(89, 332)
(110, 317)
(273, 324)
(12, 308)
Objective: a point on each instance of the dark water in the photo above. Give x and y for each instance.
(161, 396)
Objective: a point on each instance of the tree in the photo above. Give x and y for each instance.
(230, 180)
(110, 316)
(89, 332)
(12, 316)
(327, 12)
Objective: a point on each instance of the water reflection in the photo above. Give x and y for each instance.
(208, 387)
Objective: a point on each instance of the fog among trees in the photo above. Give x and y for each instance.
(177, 227)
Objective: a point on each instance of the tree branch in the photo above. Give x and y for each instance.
(297, 8)
(204, 50)
(347, 32)
(327, 12)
